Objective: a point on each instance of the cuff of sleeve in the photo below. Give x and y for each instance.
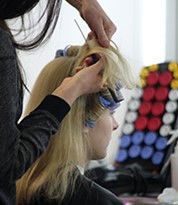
(55, 105)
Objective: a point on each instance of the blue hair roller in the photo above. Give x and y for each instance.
(62, 52)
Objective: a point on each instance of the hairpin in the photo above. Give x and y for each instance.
(63, 52)
(80, 30)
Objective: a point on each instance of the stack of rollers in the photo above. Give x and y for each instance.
(152, 113)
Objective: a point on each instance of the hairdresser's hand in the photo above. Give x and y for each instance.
(100, 24)
(86, 80)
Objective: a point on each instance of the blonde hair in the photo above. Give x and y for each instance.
(53, 172)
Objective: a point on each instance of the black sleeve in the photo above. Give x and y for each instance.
(36, 130)
(21, 143)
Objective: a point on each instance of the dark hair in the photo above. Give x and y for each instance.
(14, 8)
(10, 9)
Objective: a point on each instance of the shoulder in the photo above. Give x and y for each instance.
(98, 195)
(6, 45)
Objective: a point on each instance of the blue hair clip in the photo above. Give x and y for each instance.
(109, 104)
(62, 52)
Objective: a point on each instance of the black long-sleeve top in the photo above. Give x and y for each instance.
(21, 143)
(86, 192)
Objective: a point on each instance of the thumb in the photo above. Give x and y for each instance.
(102, 36)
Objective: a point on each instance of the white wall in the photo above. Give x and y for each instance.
(130, 21)
(127, 36)
(171, 26)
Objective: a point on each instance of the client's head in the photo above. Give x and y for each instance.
(85, 132)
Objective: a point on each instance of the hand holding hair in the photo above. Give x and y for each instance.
(100, 24)
(86, 80)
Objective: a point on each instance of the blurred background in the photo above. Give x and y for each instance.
(146, 34)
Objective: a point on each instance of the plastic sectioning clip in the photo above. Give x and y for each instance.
(116, 94)
(111, 101)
